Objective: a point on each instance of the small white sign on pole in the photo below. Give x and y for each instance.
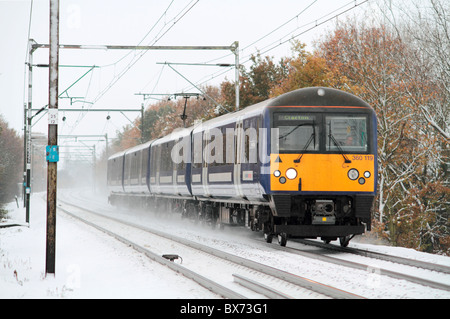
(52, 116)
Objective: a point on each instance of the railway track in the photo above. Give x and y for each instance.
(242, 279)
(377, 255)
(379, 270)
(372, 273)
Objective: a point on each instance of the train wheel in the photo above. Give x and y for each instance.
(344, 240)
(282, 239)
(268, 229)
(268, 237)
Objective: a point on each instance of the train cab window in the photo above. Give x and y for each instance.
(346, 132)
(297, 132)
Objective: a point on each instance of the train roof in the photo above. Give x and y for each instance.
(312, 96)
(175, 135)
(317, 96)
(130, 150)
(115, 155)
(137, 147)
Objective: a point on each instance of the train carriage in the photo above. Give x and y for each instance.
(115, 176)
(225, 165)
(135, 173)
(170, 174)
(323, 164)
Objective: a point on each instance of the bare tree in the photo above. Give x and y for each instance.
(425, 25)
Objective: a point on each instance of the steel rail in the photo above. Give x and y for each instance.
(260, 288)
(381, 271)
(381, 256)
(201, 280)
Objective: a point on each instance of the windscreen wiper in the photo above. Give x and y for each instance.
(311, 138)
(331, 137)
(289, 133)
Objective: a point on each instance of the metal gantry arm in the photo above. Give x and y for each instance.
(33, 46)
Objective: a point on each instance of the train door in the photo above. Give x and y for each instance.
(238, 156)
(206, 150)
(197, 163)
(249, 158)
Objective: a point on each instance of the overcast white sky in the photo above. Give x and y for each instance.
(97, 22)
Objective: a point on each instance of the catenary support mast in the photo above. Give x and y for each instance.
(52, 148)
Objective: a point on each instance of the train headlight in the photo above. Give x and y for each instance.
(291, 173)
(353, 174)
(282, 179)
(277, 173)
(366, 174)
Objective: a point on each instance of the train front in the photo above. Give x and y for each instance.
(323, 165)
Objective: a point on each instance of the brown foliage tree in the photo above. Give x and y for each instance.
(256, 85)
(306, 69)
(163, 117)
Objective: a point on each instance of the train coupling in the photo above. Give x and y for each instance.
(323, 213)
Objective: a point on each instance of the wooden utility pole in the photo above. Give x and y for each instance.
(52, 148)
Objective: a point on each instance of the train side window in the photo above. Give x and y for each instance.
(237, 138)
(155, 162)
(152, 162)
(205, 148)
(224, 145)
(144, 164)
(250, 141)
(197, 150)
(182, 164)
(126, 174)
(134, 171)
(166, 158)
(229, 140)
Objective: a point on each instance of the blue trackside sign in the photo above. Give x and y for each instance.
(52, 155)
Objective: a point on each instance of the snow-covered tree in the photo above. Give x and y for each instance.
(11, 161)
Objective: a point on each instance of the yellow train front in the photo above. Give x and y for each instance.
(323, 166)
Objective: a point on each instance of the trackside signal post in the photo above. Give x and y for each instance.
(52, 148)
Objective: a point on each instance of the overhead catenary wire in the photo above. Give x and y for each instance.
(167, 27)
(157, 81)
(316, 24)
(142, 40)
(137, 57)
(267, 34)
(281, 41)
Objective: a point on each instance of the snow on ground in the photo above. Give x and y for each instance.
(90, 264)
